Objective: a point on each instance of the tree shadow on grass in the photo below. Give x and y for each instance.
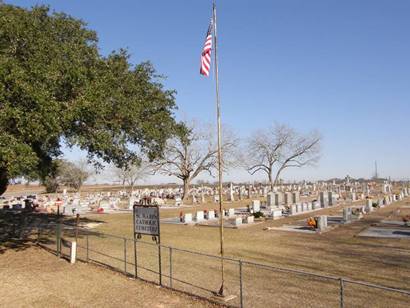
(20, 230)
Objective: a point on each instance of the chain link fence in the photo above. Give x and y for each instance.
(251, 284)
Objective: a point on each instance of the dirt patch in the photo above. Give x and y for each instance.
(37, 278)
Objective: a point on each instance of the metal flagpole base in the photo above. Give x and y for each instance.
(221, 297)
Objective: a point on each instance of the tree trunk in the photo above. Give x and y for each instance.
(4, 181)
(186, 190)
(277, 176)
(270, 179)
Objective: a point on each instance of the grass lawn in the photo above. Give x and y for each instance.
(337, 253)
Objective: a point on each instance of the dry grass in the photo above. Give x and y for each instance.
(338, 253)
(36, 278)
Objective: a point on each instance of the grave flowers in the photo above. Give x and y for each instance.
(406, 220)
(311, 222)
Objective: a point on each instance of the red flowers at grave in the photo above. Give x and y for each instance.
(312, 222)
(406, 218)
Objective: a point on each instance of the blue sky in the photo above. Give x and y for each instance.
(341, 67)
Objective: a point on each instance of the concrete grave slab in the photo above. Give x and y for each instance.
(379, 232)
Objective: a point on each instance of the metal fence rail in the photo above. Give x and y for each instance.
(253, 284)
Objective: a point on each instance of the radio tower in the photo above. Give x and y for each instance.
(376, 175)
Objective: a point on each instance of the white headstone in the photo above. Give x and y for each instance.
(256, 205)
(199, 215)
(231, 212)
(211, 214)
(187, 218)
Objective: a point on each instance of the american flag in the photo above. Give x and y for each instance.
(206, 52)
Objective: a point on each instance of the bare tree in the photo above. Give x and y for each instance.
(192, 152)
(120, 174)
(264, 149)
(300, 150)
(132, 173)
(72, 174)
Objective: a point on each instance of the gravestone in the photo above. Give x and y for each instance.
(250, 219)
(353, 196)
(187, 218)
(131, 202)
(230, 196)
(330, 198)
(299, 208)
(276, 214)
(199, 215)
(385, 200)
(237, 221)
(270, 199)
(347, 214)
(295, 197)
(288, 198)
(322, 198)
(256, 205)
(369, 205)
(178, 201)
(321, 223)
(278, 198)
(231, 212)
(211, 214)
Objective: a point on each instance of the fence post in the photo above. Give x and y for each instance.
(170, 267)
(58, 239)
(135, 258)
(240, 283)
(88, 259)
(159, 265)
(341, 293)
(125, 256)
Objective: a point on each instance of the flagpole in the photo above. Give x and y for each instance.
(218, 115)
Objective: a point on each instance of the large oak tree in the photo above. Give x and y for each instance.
(55, 88)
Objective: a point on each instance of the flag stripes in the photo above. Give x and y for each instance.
(206, 52)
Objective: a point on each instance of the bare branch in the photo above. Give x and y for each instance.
(302, 150)
(191, 152)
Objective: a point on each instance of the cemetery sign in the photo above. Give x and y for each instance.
(146, 219)
(146, 222)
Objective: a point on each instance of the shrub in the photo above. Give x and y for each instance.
(258, 215)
